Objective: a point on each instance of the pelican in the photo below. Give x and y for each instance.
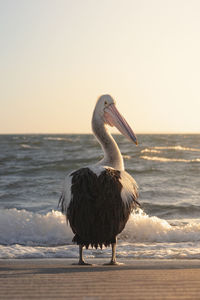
(98, 199)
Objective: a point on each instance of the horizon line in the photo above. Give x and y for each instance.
(87, 133)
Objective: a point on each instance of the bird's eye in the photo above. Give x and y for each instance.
(105, 102)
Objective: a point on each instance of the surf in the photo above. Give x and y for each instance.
(27, 228)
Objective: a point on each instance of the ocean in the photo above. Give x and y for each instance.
(32, 172)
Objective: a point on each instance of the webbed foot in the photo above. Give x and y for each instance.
(113, 263)
(82, 263)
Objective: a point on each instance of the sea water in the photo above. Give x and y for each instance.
(32, 172)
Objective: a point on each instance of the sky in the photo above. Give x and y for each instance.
(58, 56)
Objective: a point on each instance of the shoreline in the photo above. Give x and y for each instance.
(136, 279)
(149, 263)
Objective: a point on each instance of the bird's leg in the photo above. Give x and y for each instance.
(113, 258)
(81, 259)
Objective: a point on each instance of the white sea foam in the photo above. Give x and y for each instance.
(25, 146)
(143, 228)
(23, 227)
(58, 139)
(165, 159)
(21, 251)
(126, 156)
(150, 151)
(178, 147)
(24, 235)
(124, 250)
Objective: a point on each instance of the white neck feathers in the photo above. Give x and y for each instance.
(112, 154)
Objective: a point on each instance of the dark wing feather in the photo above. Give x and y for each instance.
(96, 212)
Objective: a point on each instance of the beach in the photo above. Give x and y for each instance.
(134, 279)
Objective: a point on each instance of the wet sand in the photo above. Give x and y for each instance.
(135, 279)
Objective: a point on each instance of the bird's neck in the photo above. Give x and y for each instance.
(112, 154)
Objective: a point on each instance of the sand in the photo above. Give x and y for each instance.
(136, 279)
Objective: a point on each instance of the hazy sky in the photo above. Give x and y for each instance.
(58, 56)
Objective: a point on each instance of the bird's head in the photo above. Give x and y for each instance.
(106, 110)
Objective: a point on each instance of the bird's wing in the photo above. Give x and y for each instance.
(129, 191)
(66, 195)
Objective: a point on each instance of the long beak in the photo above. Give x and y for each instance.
(114, 118)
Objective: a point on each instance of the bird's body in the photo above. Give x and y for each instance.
(99, 206)
(98, 200)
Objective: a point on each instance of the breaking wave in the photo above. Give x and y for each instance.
(25, 234)
(126, 156)
(165, 159)
(27, 228)
(58, 139)
(180, 148)
(33, 229)
(25, 146)
(166, 149)
(150, 151)
(143, 228)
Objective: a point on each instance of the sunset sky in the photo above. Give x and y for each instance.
(58, 56)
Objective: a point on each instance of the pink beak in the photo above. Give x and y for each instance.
(114, 118)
